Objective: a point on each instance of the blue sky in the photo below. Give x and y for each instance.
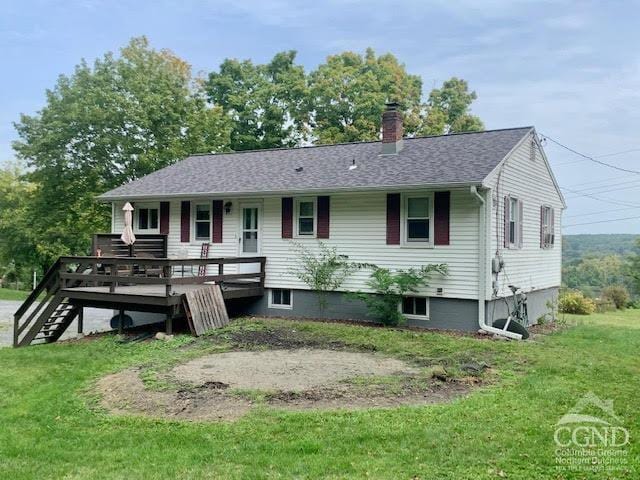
(570, 68)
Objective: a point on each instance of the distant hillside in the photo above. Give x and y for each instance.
(575, 247)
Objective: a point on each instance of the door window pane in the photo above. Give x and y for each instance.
(250, 242)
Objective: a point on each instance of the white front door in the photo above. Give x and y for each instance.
(250, 235)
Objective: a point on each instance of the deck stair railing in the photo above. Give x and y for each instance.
(45, 314)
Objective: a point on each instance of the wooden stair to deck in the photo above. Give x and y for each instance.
(62, 314)
(50, 317)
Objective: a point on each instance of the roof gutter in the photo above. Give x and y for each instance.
(483, 235)
(275, 193)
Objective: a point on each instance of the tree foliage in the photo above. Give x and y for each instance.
(16, 234)
(348, 93)
(104, 125)
(267, 104)
(448, 110)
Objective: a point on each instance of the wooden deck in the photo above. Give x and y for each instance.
(144, 284)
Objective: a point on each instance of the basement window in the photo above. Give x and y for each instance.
(281, 298)
(415, 307)
(148, 219)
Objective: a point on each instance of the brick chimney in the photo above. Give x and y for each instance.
(391, 129)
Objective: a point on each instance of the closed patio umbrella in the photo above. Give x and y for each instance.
(127, 237)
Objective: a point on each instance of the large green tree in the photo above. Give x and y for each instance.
(348, 93)
(349, 90)
(448, 110)
(16, 234)
(267, 103)
(104, 125)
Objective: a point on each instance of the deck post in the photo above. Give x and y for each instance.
(81, 320)
(166, 273)
(263, 262)
(121, 321)
(114, 273)
(168, 324)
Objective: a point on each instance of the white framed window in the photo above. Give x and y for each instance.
(418, 220)
(415, 307)
(147, 218)
(513, 223)
(547, 230)
(306, 217)
(202, 221)
(281, 298)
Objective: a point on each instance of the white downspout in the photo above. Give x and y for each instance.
(482, 270)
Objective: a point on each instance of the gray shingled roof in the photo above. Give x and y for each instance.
(465, 158)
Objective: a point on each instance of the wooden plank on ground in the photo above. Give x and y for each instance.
(205, 309)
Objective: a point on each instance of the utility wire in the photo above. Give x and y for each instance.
(606, 180)
(606, 190)
(598, 213)
(592, 159)
(600, 221)
(606, 200)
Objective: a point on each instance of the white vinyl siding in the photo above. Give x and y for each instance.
(358, 230)
(525, 176)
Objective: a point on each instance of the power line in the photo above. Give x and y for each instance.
(618, 153)
(601, 221)
(606, 200)
(606, 190)
(607, 185)
(605, 180)
(599, 212)
(592, 159)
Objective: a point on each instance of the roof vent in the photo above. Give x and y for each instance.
(353, 165)
(299, 169)
(391, 129)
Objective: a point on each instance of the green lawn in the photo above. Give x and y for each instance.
(8, 294)
(49, 428)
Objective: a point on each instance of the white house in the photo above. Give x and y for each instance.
(460, 199)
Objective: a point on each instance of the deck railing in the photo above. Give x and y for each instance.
(112, 271)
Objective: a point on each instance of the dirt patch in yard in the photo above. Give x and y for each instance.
(125, 393)
(225, 386)
(287, 370)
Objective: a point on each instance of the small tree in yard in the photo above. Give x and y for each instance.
(618, 295)
(325, 271)
(390, 287)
